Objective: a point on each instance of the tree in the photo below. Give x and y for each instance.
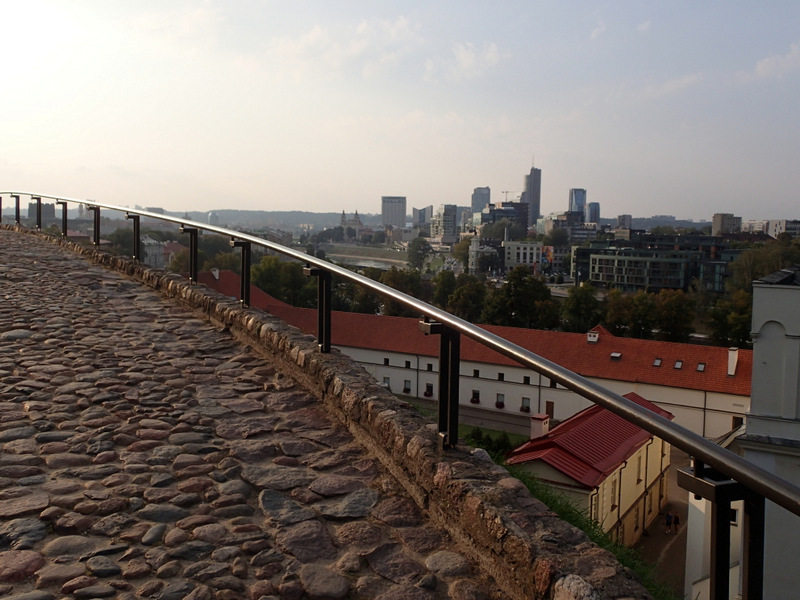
(642, 319)
(730, 320)
(498, 230)
(674, 315)
(285, 281)
(418, 251)
(466, 302)
(581, 309)
(227, 261)
(461, 251)
(406, 281)
(557, 237)
(444, 284)
(618, 312)
(515, 302)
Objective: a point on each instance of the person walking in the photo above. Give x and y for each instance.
(669, 521)
(676, 520)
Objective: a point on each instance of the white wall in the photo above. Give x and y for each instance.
(708, 414)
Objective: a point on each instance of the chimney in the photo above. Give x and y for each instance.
(733, 361)
(540, 425)
(592, 336)
(215, 273)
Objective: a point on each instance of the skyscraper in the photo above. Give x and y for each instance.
(532, 196)
(393, 211)
(481, 196)
(577, 200)
(591, 212)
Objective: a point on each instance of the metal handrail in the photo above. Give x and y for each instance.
(753, 477)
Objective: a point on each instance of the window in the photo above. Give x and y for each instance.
(734, 517)
(593, 507)
(613, 493)
(678, 364)
(526, 405)
(639, 468)
(549, 408)
(501, 401)
(428, 390)
(553, 384)
(657, 362)
(386, 362)
(476, 373)
(501, 377)
(737, 422)
(476, 397)
(526, 380)
(430, 367)
(407, 386)
(701, 367)
(408, 364)
(387, 383)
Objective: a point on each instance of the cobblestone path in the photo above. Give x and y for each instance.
(146, 454)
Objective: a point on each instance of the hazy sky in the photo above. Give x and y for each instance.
(682, 107)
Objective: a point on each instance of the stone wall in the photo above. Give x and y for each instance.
(496, 521)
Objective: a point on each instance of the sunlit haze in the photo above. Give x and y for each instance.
(680, 108)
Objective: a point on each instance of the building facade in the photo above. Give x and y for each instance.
(723, 223)
(770, 439)
(393, 211)
(615, 472)
(481, 196)
(577, 200)
(532, 196)
(523, 253)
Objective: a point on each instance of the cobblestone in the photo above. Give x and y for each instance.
(145, 453)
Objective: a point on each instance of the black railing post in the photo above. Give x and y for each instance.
(192, 231)
(244, 294)
(63, 206)
(449, 371)
(323, 305)
(720, 551)
(38, 211)
(96, 220)
(137, 237)
(16, 204)
(753, 547)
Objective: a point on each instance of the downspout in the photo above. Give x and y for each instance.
(539, 394)
(594, 494)
(705, 408)
(416, 386)
(619, 499)
(646, 480)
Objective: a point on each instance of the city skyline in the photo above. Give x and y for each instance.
(679, 109)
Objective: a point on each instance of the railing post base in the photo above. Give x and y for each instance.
(449, 371)
(323, 306)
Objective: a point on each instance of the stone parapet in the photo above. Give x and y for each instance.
(514, 537)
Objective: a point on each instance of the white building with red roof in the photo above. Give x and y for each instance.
(706, 388)
(612, 469)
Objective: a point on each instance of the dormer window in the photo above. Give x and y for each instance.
(657, 362)
(701, 367)
(678, 364)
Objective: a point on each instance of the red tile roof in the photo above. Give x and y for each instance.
(635, 364)
(589, 445)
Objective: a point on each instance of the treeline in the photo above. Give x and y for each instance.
(524, 300)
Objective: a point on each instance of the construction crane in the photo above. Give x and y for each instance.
(507, 192)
